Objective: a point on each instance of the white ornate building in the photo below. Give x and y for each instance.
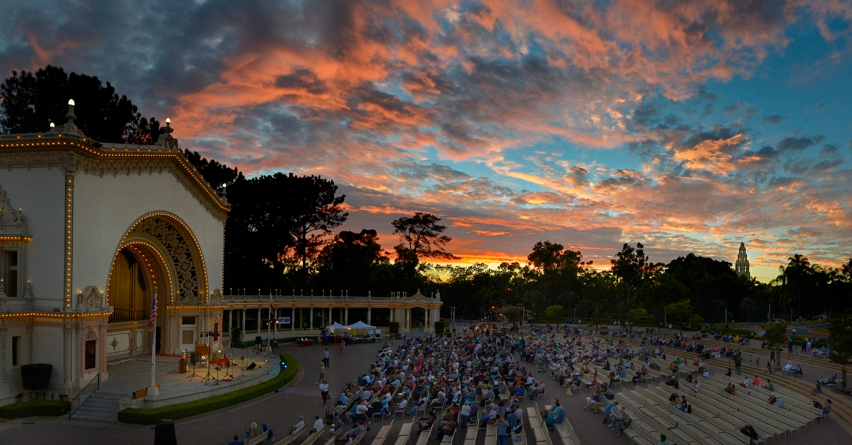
(741, 266)
(88, 233)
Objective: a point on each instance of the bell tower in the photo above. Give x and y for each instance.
(741, 265)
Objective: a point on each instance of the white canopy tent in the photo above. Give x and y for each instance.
(335, 327)
(360, 325)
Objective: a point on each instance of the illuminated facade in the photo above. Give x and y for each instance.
(88, 233)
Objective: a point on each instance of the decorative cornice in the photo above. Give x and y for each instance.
(75, 155)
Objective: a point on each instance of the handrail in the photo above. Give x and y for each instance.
(83, 395)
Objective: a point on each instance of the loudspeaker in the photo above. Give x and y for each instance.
(164, 434)
(251, 366)
(192, 357)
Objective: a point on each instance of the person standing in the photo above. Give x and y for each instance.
(321, 372)
(464, 415)
(502, 430)
(236, 440)
(323, 387)
(325, 356)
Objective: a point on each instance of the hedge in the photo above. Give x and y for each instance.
(51, 408)
(149, 416)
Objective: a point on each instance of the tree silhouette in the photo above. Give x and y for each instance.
(421, 237)
(840, 340)
(32, 100)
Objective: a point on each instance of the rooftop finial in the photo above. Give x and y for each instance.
(70, 115)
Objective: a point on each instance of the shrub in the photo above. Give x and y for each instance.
(31, 409)
(440, 327)
(150, 416)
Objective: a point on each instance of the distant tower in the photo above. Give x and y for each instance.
(742, 262)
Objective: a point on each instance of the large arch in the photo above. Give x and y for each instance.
(158, 253)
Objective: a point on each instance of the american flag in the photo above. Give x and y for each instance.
(271, 309)
(153, 318)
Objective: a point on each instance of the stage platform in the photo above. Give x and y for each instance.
(126, 376)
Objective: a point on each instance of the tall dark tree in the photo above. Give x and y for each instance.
(315, 211)
(421, 237)
(347, 262)
(217, 175)
(258, 232)
(32, 100)
(632, 266)
(840, 340)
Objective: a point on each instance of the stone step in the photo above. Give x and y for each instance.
(100, 406)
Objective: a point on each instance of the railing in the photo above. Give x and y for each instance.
(277, 297)
(83, 395)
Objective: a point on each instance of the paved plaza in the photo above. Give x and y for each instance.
(302, 398)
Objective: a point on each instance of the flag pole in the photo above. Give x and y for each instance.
(152, 325)
(269, 325)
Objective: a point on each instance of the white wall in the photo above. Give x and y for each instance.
(48, 347)
(105, 208)
(40, 192)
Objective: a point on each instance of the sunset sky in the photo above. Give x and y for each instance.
(686, 126)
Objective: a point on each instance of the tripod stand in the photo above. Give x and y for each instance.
(209, 377)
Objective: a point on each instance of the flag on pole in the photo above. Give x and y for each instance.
(153, 318)
(271, 308)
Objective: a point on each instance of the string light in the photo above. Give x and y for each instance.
(154, 151)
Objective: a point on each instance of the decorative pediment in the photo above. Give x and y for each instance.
(418, 296)
(90, 298)
(216, 298)
(12, 221)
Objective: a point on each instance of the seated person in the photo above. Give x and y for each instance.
(817, 389)
(426, 422)
(298, 426)
(772, 399)
(447, 429)
(798, 371)
(353, 433)
(557, 415)
(731, 389)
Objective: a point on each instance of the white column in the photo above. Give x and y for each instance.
(292, 319)
(346, 316)
(311, 319)
(426, 319)
(243, 325)
(259, 323)
(230, 320)
(369, 316)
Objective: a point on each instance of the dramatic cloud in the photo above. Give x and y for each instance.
(588, 123)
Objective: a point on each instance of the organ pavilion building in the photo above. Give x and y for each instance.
(741, 265)
(88, 233)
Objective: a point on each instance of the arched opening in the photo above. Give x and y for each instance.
(138, 271)
(158, 253)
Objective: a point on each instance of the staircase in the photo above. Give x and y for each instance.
(100, 406)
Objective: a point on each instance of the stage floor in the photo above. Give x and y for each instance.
(129, 375)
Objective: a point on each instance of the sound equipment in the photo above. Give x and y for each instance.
(252, 365)
(192, 358)
(164, 434)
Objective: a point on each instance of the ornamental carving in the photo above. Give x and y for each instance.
(12, 221)
(178, 248)
(217, 298)
(91, 298)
